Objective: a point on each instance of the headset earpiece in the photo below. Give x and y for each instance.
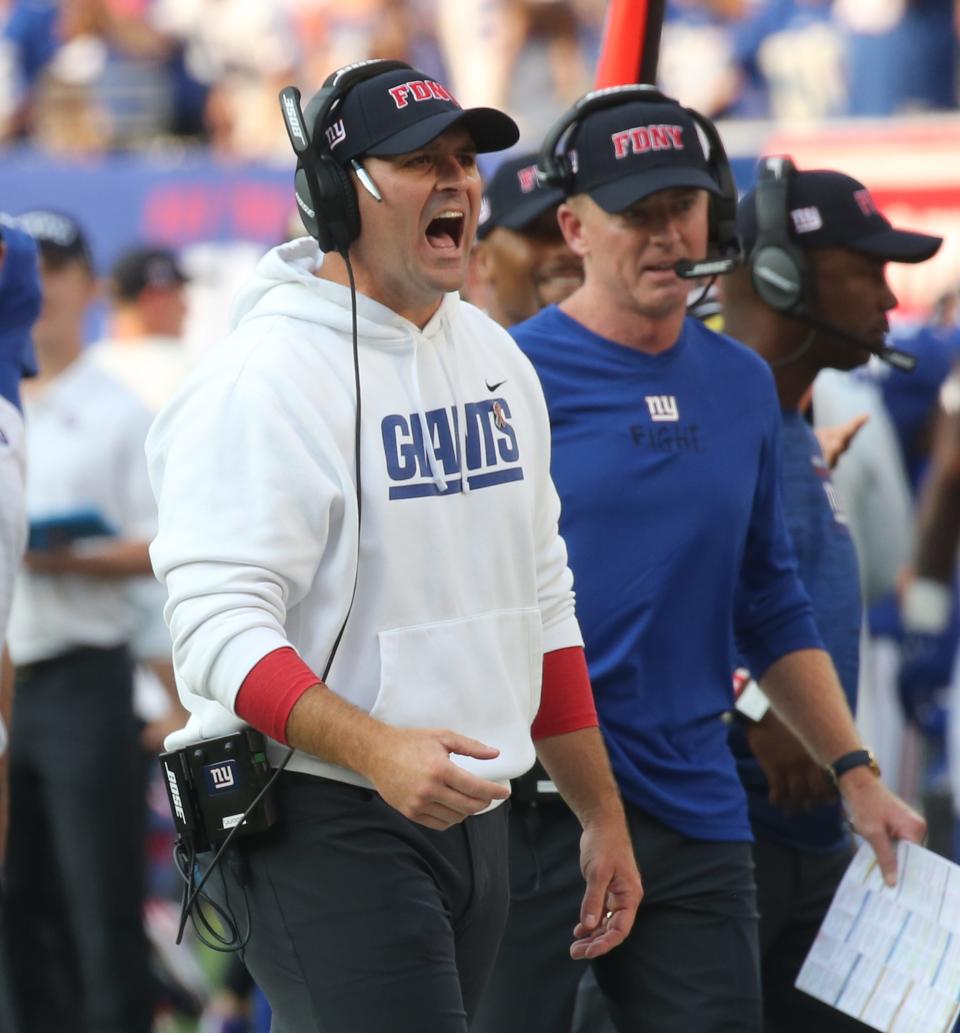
(333, 217)
(778, 269)
(723, 206)
(554, 168)
(326, 197)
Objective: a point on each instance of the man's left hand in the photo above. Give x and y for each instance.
(880, 817)
(613, 892)
(834, 441)
(797, 782)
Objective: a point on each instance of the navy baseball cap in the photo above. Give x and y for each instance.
(400, 111)
(621, 155)
(830, 209)
(515, 196)
(143, 267)
(60, 237)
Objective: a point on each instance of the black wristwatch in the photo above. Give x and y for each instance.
(854, 759)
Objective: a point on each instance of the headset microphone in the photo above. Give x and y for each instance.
(901, 360)
(293, 120)
(688, 270)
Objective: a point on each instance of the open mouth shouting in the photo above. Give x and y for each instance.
(445, 231)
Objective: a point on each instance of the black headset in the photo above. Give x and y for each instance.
(779, 270)
(325, 193)
(557, 170)
(778, 267)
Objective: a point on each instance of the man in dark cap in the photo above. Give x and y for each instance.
(666, 442)
(834, 318)
(520, 262)
(378, 901)
(148, 309)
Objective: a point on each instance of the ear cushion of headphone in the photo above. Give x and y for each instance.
(305, 202)
(336, 223)
(777, 278)
(553, 169)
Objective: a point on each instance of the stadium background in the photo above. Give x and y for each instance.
(157, 120)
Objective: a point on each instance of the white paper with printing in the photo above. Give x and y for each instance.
(890, 955)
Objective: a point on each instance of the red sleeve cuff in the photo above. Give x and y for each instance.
(566, 700)
(270, 690)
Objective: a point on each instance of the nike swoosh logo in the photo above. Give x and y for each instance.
(493, 387)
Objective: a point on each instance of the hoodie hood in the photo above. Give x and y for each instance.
(285, 284)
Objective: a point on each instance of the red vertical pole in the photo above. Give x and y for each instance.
(631, 42)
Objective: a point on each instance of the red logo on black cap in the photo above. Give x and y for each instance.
(418, 90)
(641, 139)
(527, 178)
(865, 202)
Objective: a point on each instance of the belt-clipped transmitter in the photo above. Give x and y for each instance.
(212, 784)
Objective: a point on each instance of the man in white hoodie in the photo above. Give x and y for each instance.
(379, 900)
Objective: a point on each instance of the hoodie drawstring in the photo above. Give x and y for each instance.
(435, 469)
(459, 411)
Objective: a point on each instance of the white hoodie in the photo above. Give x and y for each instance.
(463, 584)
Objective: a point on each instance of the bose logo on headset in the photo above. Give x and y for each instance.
(294, 119)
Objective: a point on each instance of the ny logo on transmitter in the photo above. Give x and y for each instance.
(663, 408)
(222, 776)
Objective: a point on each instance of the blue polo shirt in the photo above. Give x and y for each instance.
(668, 469)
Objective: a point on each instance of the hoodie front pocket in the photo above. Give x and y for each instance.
(479, 676)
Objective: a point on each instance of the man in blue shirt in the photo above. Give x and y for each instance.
(19, 307)
(666, 455)
(802, 846)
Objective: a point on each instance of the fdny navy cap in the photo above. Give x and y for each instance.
(515, 196)
(60, 238)
(830, 209)
(400, 111)
(621, 155)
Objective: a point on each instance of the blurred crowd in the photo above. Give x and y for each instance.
(93, 76)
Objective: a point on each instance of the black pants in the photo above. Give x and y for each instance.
(362, 921)
(75, 859)
(691, 964)
(8, 1016)
(794, 890)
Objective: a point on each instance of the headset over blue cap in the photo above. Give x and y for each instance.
(626, 153)
(831, 209)
(621, 144)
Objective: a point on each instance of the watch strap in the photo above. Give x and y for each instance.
(851, 760)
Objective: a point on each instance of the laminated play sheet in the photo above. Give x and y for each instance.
(890, 955)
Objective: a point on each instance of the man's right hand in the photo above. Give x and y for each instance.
(413, 772)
